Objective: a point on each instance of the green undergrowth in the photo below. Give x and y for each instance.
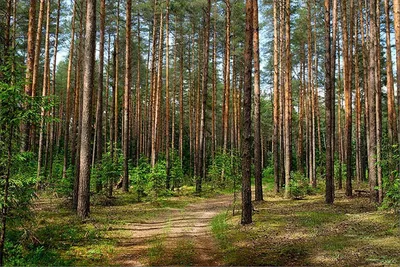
(351, 232)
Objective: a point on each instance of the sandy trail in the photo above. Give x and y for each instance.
(191, 225)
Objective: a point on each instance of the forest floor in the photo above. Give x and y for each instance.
(189, 230)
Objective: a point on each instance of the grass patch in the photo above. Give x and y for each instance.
(219, 228)
(183, 254)
(156, 252)
(312, 219)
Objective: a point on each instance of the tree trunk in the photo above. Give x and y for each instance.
(125, 180)
(29, 67)
(46, 83)
(35, 74)
(204, 87)
(98, 150)
(288, 103)
(88, 81)
(275, 142)
(396, 15)
(372, 129)
(246, 150)
(225, 120)
(68, 95)
(392, 123)
(167, 102)
(329, 191)
(257, 119)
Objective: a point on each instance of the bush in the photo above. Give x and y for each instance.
(299, 186)
(224, 170)
(107, 171)
(392, 196)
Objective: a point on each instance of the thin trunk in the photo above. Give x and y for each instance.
(157, 98)
(181, 96)
(45, 89)
(29, 67)
(214, 89)
(98, 149)
(372, 172)
(378, 100)
(139, 121)
(204, 87)
(257, 117)
(329, 191)
(167, 102)
(127, 89)
(4, 205)
(396, 15)
(288, 103)
(358, 108)
(392, 123)
(225, 120)
(53, 90)
(35, 74)
(275, 142)
(68, 95)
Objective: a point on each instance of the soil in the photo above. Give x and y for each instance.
(179, 229)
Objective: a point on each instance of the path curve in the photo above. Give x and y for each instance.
(180, 226)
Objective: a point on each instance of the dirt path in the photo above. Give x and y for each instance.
(181, 237)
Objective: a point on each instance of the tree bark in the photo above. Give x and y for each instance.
(88, 81)
(45, 89)
(396, 15)
(257, 119)
(288, 103)
(329, 191)
(276, 139)
(247, 142)
(68, 95)
(372, 129)
(125, 180)
(29, 67)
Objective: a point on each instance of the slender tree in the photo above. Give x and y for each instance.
(276, 139)
(329, 191)
(127, 88)
(257, 119)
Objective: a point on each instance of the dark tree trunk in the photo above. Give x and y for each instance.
(247, 129)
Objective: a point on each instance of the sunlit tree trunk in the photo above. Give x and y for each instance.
(29, 67)
(288, 103)
(257, 119)
(276, 139)
(396, 15)
(88, 81)
(392, 123)
(127, 88)
(46, 83)
(372, 172)
(35, 73)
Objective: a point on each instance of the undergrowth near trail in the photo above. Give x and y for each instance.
(351, 232)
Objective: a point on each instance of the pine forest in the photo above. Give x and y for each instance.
(199, 132)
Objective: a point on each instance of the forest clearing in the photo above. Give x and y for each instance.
(201, 132)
